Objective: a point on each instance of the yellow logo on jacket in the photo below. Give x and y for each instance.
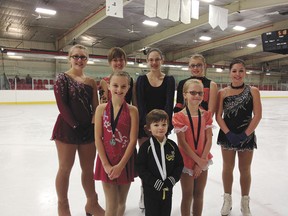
(170, 157)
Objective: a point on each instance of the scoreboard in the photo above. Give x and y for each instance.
(275, 41)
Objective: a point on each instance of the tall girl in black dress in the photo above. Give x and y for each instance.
(154, 90)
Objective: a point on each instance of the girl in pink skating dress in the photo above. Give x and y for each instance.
(115, 152)
(193, 127)
(116, 135)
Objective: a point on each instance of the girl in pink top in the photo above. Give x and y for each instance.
(193, 126)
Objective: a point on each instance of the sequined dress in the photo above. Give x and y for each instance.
(74, 101)
(115, 152)
(237, 110)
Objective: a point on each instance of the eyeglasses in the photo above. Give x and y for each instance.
(196, 66)
(77, 57)
(194, 93)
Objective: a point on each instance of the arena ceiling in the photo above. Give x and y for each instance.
(85, 22)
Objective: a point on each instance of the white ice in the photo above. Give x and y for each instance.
(28, 165)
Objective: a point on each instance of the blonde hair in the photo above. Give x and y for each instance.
(191, 82)
(78, 46)
(121, 74)
(198, 56)
(201, 58)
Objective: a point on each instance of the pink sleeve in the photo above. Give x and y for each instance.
(177, 120)
(179, 123)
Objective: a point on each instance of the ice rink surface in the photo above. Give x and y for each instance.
(28, 165)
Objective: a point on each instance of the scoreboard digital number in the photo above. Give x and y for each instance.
(275, 41)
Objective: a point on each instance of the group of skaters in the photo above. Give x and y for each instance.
(123, 112)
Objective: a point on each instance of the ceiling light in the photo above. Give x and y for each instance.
(150, 23)
(239, 28)
(45, 11)
(251, 45)
(219, 70)
(205, 38)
